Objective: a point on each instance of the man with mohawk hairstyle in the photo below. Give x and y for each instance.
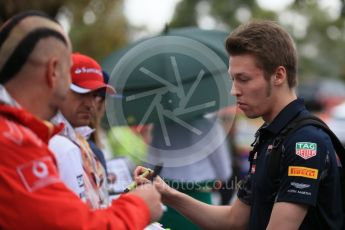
(34, 79)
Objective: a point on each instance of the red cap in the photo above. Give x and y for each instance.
(87, 75)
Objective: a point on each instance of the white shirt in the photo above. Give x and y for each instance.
(68, 156)
(69, 163)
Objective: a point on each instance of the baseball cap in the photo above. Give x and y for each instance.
(105, 80)
(87, 75)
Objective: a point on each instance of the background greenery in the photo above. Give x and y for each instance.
(99, 27)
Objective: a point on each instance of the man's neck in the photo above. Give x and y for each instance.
(279, 105)
(31, 99)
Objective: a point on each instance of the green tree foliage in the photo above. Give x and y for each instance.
(321, 42)
(224, 11)
(230, 11)
(11, 7)
(97, 27)
(321, 49)
(185, 14)
(106, 31)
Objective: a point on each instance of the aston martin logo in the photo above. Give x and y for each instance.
(300, 185)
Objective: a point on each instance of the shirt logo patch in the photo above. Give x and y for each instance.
(38, 173)
(80, 181)
(300, 185)
(303, 172)
(306, 150)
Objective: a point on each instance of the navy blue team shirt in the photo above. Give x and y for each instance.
(309, 174)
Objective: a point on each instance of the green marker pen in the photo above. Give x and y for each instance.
(133, 185)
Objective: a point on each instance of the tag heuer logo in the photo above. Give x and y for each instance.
(306, 150)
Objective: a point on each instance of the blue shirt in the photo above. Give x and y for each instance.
(309, 174)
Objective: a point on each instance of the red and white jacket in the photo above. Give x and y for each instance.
(32, 196)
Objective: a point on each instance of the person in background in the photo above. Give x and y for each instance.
(84, 173)
(34, 80)
(97, 140)
(263, 69)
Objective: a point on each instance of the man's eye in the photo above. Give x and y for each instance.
(243, 79)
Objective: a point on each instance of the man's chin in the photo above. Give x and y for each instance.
(53, 114)
(85, 123)
(251, 116)
(82, 122)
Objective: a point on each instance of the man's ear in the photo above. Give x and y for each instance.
(280, 76)
(51, 72)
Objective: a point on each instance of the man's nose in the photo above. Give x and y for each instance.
(234, 90)
(90, 101)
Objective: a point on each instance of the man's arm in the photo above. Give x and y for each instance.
(208, 216)
(287, 216)
(204, 215)
(52, 205)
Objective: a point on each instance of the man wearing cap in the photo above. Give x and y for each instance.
(98, 140)
(34, 78)
(79, 167)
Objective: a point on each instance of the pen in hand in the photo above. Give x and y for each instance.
(134, 184)
(146, 174)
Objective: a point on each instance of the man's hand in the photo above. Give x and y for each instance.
(152, 199)
(160, 185)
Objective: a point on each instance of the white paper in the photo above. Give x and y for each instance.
(119, 167)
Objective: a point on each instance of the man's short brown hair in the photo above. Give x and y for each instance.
(271, 45)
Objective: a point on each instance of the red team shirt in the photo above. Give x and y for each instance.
(32, 196)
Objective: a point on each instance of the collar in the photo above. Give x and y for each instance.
(85, 131)
(6, 98)
(43, 129)
(68, 130)
(290, 111)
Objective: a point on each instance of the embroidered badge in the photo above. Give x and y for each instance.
(306, 150)
(38, 173)
(300, 185)
(303, 172)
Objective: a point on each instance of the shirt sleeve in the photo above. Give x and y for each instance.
(244, 193)
(304, 164)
